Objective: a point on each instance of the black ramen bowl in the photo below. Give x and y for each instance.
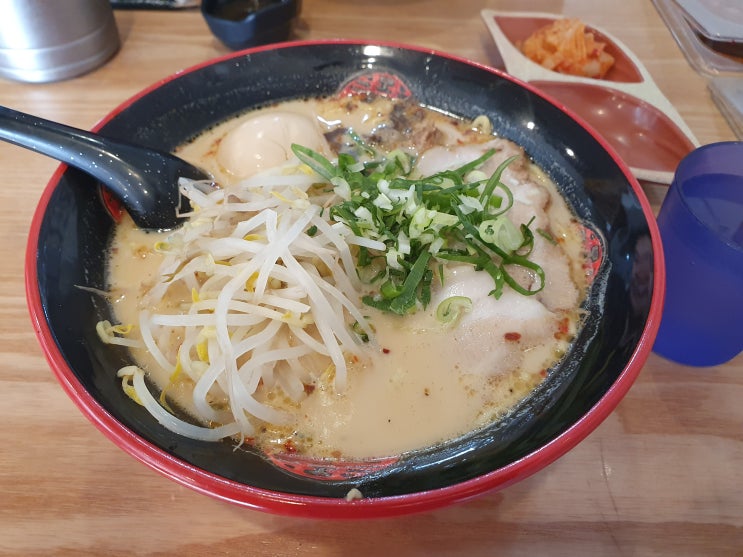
(72, 228)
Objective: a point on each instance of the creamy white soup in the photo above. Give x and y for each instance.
(285, 313)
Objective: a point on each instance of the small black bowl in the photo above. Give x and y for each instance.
(244, 23)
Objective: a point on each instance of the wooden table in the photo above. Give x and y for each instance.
(661, 476)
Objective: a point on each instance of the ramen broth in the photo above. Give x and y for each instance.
(419, 382)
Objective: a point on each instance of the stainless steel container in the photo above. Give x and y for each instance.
(51, 40)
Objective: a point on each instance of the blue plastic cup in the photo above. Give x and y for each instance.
(701, 226)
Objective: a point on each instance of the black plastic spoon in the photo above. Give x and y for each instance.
(144, 181)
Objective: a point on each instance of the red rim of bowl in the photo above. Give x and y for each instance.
(326, 507)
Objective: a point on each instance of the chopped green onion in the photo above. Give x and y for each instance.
(453, 215)
(359, 330)
(547, 236)
(449, 310)
(315, 161)
(502, 232)
(390, 290)
(494, 182)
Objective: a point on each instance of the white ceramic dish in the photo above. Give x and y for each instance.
(643, 125)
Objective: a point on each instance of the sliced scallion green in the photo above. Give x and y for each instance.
(450, 309)
(456, 215)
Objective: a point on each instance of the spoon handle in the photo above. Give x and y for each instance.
(144, 180)
(58, 141)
